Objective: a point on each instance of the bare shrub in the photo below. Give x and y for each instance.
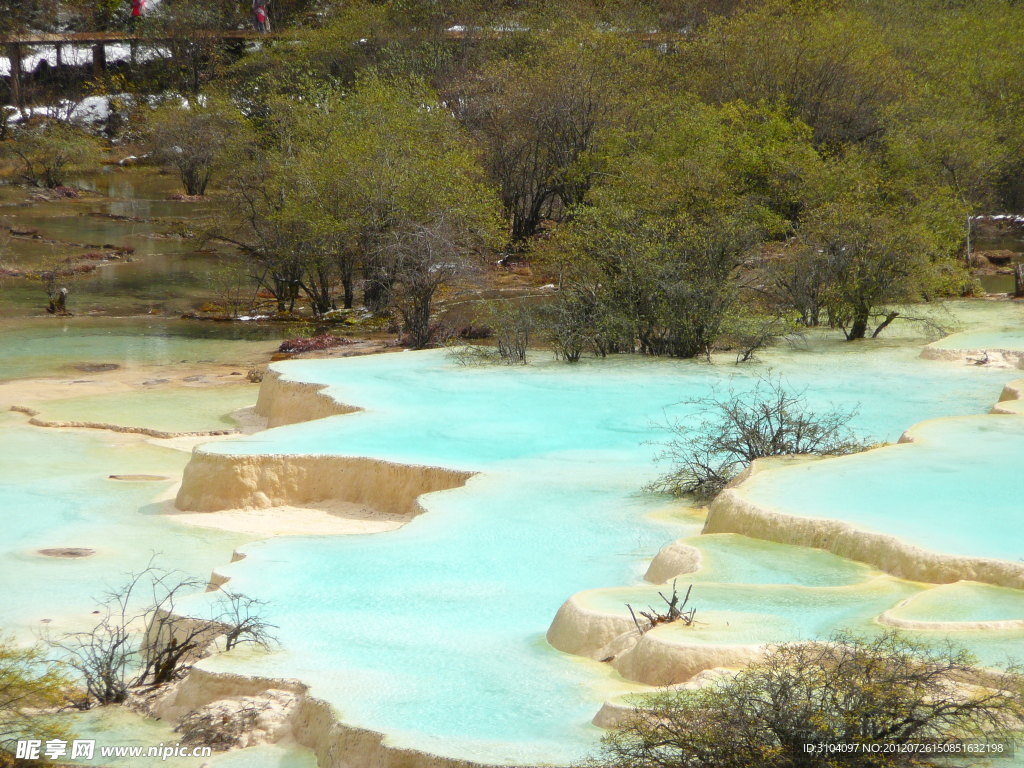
(511, 325)
(233, 286)
(420, 259)
(745, 333)
(569, 324)
(48, 150)
(141, 639)
(192, 140)
(736, 428)
(677, 611)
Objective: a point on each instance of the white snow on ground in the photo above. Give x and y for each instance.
(92, 109)
(1000, 217)
(89, 111)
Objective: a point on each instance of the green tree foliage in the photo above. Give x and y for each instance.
(193, 139)
(185, 28)
(654, 263)
(399, 163)
(692, 174)
(872, 244)
(17, 16)
(30, 686)
(846, 690)
(93, 15)
(827, 62)
(377, 182)
(963, 118)
(47, 150)
(545, 119)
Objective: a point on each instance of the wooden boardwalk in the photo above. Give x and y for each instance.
(98, 38)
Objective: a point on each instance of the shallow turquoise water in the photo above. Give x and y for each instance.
(422, 408)
(56, 493)
(964, 601)
(434, 633)
(991, 325)
(54, 346)
(954, 490)
(166, 408)
(729, 558)
(118, 727)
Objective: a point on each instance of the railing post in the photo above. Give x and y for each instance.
(99, 59)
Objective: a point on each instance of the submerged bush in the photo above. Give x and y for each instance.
(511, 325)
(48, 150)
(733, 430)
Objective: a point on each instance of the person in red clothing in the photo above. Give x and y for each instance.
(262, 20)
(138, 6)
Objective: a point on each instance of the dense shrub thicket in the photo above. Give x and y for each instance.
(687, 174)
(882, 702)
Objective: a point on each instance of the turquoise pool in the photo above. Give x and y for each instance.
(434, 634)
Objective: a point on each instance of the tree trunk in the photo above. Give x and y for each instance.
(378, 288)
(1018, 281)
(347, 269)
(859, 328)
(349, 290)
(417, 320)
(885, 324)
(99, 60)
(14, 54)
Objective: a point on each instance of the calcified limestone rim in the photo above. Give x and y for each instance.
(667, 654)
(284, 401)
(732, 512)
(656, 657)
(888, 619)
(35, 421)
(1009, 358)
(1011, 399)
(674, 559)
(218, 481)
(315, 724)
(214, 482)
